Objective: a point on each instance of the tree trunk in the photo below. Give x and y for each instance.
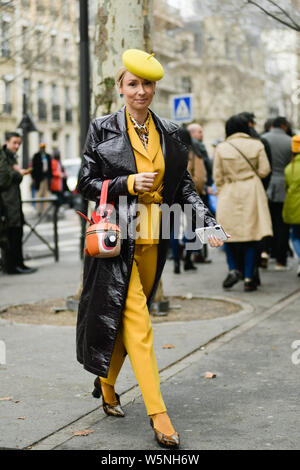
(119, 26)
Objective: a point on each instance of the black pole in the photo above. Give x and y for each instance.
(25, 135)
(84, 65)
(84, 72)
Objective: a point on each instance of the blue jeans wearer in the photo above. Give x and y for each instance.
(295, 237)
(249, 258)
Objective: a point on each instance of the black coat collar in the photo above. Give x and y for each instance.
(12, 156)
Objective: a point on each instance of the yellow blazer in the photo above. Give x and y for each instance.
(150, 160)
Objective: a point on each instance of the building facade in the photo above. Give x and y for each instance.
(39, 59)
(224, 68)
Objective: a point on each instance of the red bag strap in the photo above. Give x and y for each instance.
(103, 210)
(103, 197)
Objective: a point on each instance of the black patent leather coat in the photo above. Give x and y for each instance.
(108, 155)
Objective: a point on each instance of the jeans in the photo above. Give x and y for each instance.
(295, 237)
(249, 257)
(174, 242)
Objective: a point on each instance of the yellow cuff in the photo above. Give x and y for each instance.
(130, 185)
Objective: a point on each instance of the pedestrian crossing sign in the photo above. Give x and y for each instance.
(182, 108)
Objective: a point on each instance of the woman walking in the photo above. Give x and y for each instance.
(240, 163)
(291, 206)
(146, 162)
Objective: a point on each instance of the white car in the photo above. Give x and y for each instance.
(72, 167)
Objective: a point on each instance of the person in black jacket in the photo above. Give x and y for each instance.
(41, 175)
(253, 132)
(12, 254)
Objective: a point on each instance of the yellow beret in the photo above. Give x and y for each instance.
(296, 144)
(143, 65)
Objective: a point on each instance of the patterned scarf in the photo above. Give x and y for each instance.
(142, 130)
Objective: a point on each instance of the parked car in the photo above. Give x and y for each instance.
(72, 167)
(71, 197)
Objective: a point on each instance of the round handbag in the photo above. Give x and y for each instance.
(103, 239)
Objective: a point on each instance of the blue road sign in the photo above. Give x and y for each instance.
(182, 108)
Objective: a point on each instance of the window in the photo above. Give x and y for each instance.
(24, 36)
(7, 108)
(38, 40)
(54, 94)
(273, 111)
(40, 90)
(187, 84)
(26, 87)
(55, 104)
(54, 11)
(66, 48)
(5, 42)
(65, 10)
(68, 105)
(68, 146)
(42, 107)
(53, 49)
(52, 44)
(40, 6)
(25, 51)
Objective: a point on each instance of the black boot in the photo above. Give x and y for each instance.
(176, 266)
(188, 264)
(232, 278)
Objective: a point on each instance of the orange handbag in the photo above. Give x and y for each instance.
(103, 239)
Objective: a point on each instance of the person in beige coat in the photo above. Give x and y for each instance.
(240, 163)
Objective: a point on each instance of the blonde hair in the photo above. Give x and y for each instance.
(120, 75)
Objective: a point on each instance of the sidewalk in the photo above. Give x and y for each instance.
(252, 404)
(49, 389)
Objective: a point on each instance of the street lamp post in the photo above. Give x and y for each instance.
(27, 125)
(84, 72)
(84, 66)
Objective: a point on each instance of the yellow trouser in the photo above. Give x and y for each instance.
(135, 335)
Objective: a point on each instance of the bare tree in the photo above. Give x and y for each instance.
(278, 13)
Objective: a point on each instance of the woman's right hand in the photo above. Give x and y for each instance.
(144, 181)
